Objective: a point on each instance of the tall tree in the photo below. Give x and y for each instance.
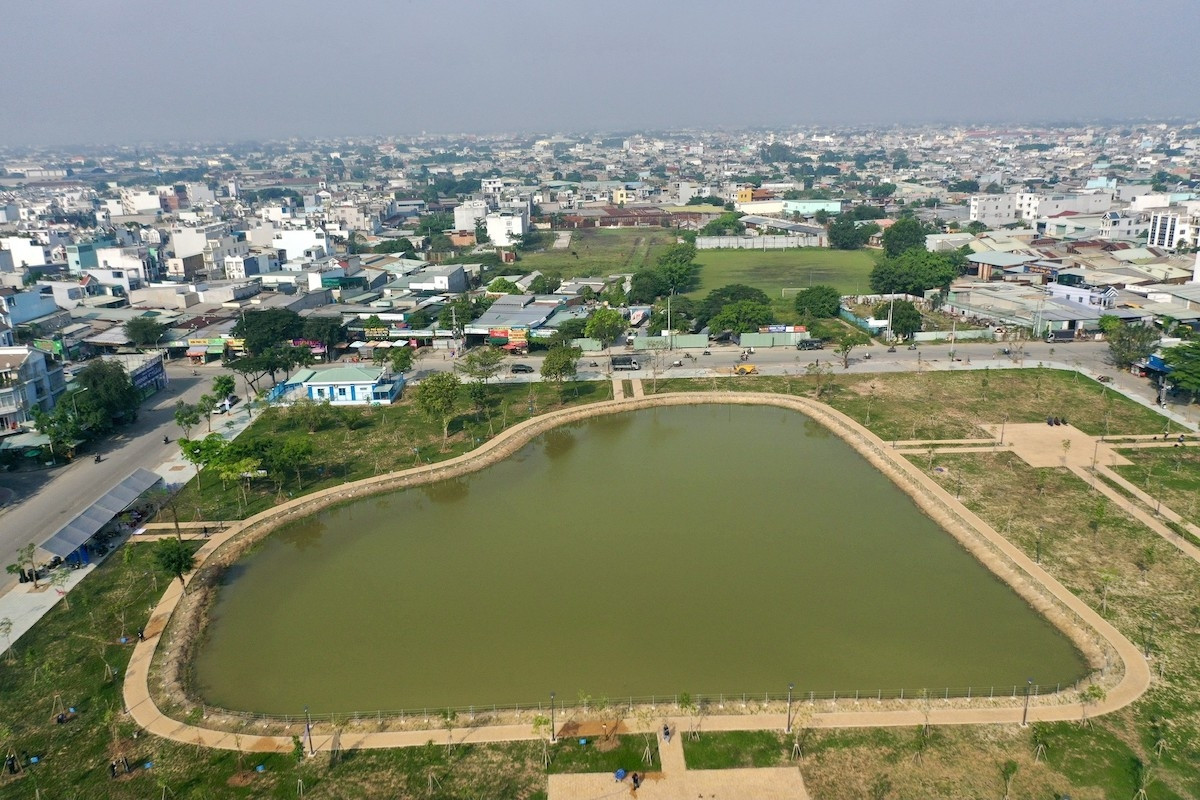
(846, 344)
(503, 286)
(820, 301)
(906, 319)
(144, 331)
(187, 416)
(1128, 344)
(741, 317)
(223, 386)
(482, 363)
(202, 452)
(845, 235)
(646, 286)
(605, 325)
(437, 397)
(907, 233)
(718, 298)
(561, 364)
(913, 272)
(110, 393)
(1184, 361)
(175, 557)
(268, 328)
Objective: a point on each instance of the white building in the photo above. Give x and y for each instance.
(1172, 229)
(505, 228)
(1031, 206)
(468, 215)
(25, 252)
(295, 242)
(29, 379)
(993, 210)
(140, 201)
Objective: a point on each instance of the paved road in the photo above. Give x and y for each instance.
(1091, 358)
(47, 499)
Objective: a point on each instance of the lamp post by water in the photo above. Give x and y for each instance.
(1025, 713)
(308, 731)
(553, 731)
(791, 686)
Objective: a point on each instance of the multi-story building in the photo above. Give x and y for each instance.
(1030, 205)
(505, 228)
(469, 214)
(1172, 229)
(29, 379)
(993, 210)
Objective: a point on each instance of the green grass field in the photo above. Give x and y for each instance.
(602, 252)
(847, 271)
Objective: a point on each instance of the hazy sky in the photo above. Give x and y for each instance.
(81, 71)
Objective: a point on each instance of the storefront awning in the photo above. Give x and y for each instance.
(215, 349)
(196, 352)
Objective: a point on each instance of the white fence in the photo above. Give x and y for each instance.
(757, 242)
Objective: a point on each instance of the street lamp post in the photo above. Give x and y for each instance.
(791, 686)
(1025, 713)
(553, 730)
(75, 394)
(308, 731)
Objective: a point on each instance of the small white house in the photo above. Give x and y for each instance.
(349, 386)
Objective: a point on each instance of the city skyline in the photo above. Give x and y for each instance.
(235, 73)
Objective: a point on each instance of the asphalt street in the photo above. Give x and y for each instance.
(45, 500)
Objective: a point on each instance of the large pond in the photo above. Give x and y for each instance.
(701, 549)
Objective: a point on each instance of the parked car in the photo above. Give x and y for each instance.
(810, 344)
(521, 369)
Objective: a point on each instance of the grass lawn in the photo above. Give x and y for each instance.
(370, 441)
(950, 405)
(1172, 473)
(601, 252)
(848, 271)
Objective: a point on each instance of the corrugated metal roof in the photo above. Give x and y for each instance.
(100, 513)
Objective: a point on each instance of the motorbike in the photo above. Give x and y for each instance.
(892, 349)
(707, 352)
(595, 364)
(97, 459)
(912, 346)
(866, 356)
(166, 440)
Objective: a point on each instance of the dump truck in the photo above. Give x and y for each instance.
(625, 362)
(745, 369)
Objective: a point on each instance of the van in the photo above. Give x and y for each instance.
(810, 344)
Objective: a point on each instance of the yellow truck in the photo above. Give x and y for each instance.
(745, 369)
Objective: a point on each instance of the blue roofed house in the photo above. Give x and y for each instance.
(342, 386)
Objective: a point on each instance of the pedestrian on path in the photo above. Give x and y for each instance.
(112, 769)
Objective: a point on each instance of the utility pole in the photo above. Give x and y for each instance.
(670, 329)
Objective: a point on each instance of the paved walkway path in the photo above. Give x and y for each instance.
(638, 391)
(674, 781)
(1017, 569)
(618, 387)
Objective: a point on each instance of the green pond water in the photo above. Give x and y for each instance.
(700, 549)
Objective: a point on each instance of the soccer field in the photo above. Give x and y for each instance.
(848, 271)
